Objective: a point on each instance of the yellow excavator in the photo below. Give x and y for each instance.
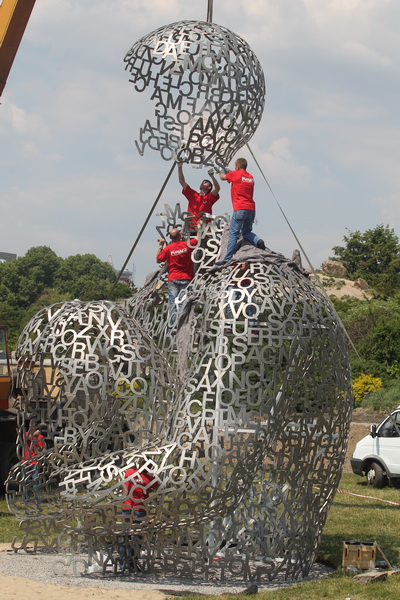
(8, 415)
(14, 17)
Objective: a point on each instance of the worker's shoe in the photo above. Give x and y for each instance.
(260, 244)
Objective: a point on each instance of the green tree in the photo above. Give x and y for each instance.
(373, 255)
(374, 328)
(41, 278)
(86, 277)
(42, 264)
(383, 344)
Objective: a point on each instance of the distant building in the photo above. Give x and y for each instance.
(7, 256)
(126, 277)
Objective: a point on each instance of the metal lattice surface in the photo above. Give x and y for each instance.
(239, 411)
(207, 88)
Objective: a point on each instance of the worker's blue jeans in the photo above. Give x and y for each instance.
(129, 546)
(241, 222)
(174, 289)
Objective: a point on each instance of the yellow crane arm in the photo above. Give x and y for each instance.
(14, 17)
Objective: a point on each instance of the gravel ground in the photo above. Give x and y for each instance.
(40, 567)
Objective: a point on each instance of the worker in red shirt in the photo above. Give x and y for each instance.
(178, 256)
(203, 201)
(33, 446)
(244, 208)
(138, 483)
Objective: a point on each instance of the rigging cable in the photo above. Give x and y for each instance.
(145, 223)
(209, 11)
(317, 278)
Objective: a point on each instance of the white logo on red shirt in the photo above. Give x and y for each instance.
(181, 251)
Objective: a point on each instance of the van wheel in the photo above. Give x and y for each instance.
(375, 476)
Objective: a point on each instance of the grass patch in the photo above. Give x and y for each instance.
(8, 523)
(384, 400)
(361, 519)
(350, 518)
(331, 588)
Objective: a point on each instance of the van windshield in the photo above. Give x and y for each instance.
(390, 427)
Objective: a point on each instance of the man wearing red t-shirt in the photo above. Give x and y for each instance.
(138, 483)
(178, 256)
(33, 446)
(244, 208)
(137, 486)
(199, 202)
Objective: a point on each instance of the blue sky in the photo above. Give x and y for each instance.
(72, 179)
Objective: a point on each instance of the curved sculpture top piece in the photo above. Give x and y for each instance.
(207, 87)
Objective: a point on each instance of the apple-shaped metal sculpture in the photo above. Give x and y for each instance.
(238, 413)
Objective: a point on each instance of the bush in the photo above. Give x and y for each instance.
(373, 255)
(374, 328)
(383, 342)
(385, 399)
(363, 385)
(373, 367)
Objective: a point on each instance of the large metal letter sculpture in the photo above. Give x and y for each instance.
(207, 87)
(242, 447)
(93, 383)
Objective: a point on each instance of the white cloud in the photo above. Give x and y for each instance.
(361, 53)
(342, 105)
(361, 30)
(31, 151)
(329, 142)
(279, 161)
(18, 121)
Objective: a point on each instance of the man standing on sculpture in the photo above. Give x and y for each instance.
(203, 201)
(244, 208)
(178, 256)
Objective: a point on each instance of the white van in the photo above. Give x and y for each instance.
(377, 455)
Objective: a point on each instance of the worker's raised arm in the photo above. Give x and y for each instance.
(181, 176)
(216, 186)
(160, 254)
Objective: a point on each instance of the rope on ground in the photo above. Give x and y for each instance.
(368, 497)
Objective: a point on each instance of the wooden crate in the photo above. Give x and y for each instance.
(361, 555)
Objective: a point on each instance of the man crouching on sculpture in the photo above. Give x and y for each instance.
(178, 256)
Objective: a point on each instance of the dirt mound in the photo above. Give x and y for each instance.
(366, 415)
(342, 288)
